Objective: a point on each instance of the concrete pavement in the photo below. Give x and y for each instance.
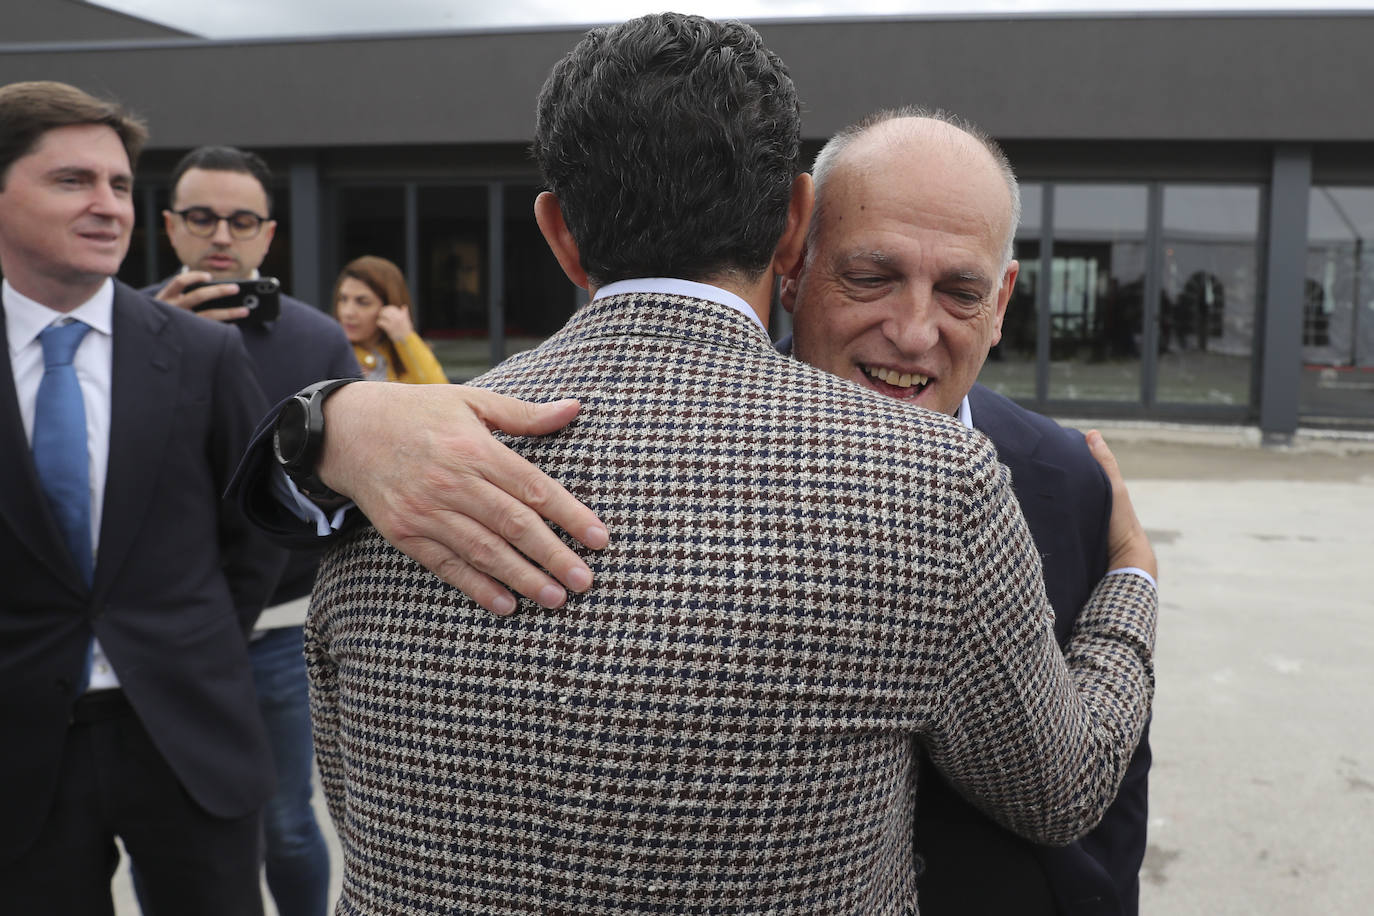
(1262, 793)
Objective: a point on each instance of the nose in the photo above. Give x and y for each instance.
(221, 235)
(108, 201)
(913, 325)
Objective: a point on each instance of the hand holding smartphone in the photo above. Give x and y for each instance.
(261, 296)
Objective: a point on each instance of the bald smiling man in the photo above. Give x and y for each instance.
(903, 289)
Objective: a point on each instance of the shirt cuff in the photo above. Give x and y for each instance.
(301, 506)
(1122, 571)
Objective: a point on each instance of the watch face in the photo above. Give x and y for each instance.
(289, 436)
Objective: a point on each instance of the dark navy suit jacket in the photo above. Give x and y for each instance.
(179, 578)
(1066, 500)
(301, 347)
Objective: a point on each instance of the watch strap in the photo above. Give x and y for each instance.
(302, 470)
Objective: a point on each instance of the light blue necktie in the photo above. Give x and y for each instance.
(59, 441)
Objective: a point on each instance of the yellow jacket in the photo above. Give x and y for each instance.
(421, 368)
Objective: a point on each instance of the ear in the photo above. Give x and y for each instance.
(787, 257)
(168, 220)
(791, 282)
(1003, 297)
(269, 231)
(548, 213)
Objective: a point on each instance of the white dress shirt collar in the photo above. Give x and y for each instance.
(965, 413)
(26, 318)
(670, 286)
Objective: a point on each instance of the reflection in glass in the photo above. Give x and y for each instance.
(133, 270)
(1010, 368)
(1208, 294)
(452, 287)
(1097, 291)
(277, 263)
(1338, 304)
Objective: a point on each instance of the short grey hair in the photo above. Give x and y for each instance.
(825, 161)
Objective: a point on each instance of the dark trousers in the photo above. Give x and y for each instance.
(297, 856)
(972, 867)
(114, 782)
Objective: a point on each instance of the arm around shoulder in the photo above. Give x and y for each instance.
(1039, 739)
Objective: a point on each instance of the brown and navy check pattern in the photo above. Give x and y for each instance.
(804, 579)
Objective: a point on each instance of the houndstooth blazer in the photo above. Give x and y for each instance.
(798, 590)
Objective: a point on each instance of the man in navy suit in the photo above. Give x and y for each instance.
(910, 242)
(221, 228)
(126, 697)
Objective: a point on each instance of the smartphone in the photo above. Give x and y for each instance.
(262, 298)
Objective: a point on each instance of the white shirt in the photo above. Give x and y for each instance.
(670, 286)
(94, 363)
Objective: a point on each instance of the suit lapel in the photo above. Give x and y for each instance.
(1017, 444)
(22, 506)
(143, 396)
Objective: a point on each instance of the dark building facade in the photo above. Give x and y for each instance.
(1196, 189)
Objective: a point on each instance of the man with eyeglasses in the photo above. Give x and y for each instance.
(219, 223)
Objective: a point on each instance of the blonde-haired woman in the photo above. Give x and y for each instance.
(372, 303)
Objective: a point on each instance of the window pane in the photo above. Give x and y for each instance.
(133, 270)
(539, 297)
(372, 221)
(1010, 368)
(452, 286)
(1207, 316)
(1338, 306)
(167, 261)
(278, 261)
(1097, 291)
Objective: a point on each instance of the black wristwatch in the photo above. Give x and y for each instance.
(298, 437)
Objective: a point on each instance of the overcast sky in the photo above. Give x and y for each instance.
(252, 18)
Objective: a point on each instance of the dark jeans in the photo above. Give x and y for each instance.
(297, 857)
(114, 782)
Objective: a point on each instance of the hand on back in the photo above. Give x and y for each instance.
(1127, 543)
(422, 465)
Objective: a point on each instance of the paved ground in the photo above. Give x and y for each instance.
(1262, 794)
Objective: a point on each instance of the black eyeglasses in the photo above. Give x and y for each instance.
(202, 222)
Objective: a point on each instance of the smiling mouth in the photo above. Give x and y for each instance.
(895, 384)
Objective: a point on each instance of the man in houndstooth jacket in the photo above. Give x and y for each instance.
(809, 576)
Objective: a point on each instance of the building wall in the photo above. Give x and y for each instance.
(1137, 78)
